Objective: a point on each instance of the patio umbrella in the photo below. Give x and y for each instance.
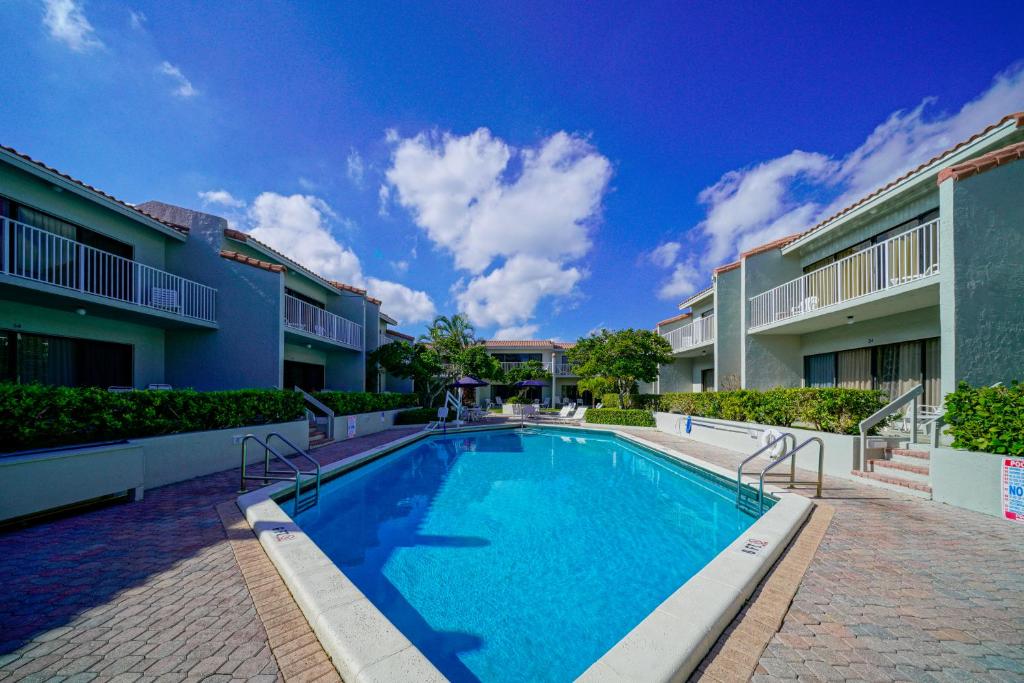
(468, 381)
(531, 383)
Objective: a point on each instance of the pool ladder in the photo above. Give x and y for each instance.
(293, 473)
(745, 495)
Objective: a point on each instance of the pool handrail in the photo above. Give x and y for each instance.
(269, 475)
(771, 444)
(792, 455)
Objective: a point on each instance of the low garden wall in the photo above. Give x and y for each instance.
(841, 450)
(967, 479)
(365, 423)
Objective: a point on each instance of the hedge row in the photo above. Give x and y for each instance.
(36, 416)
(988, 419)
(617, 416)
(829, 409)
(355, 402)
(416, 416)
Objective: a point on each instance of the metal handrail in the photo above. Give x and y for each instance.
(304, 454)
(270, 475)
(759, 451)
(792, 454)
(867, 423)
(319, 405)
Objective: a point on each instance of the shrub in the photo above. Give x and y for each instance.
(610, 400)
(36, 416)
(618, 416)
(512, 400)
(355, 402)
(988, 419)
(645, 401)
(416, 416)
(829, 410)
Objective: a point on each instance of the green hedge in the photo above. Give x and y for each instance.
(355, 402)
(988, 419)
(417, 416)
(829, 410)
(617, 416)
(36, 416)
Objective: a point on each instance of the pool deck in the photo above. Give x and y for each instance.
(899, 589)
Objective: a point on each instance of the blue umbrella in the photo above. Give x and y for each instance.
(531, 383)
(468, 381)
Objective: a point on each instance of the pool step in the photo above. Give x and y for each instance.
(903, 469)
(317, 439)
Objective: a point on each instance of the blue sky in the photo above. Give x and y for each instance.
(546, 170)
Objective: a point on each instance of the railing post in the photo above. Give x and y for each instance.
(913, 420)
(80, 266)
(4, 233)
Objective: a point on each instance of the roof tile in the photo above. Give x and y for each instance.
(249, 260)
(999, 157)
(674, 319)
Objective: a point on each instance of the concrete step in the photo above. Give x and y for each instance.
(902, 470)
(910, 453)
(895, 484)
(319, 443)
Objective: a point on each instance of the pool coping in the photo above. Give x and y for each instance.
(668, 644)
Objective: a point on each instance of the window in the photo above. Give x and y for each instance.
(306, 376)
(893, 368)
(518, 357)
(64, 361)
(880, 237)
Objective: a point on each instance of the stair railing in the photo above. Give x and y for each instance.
(771, 444)
(791, 455)
(315, 403)
(912, 396)
(293, 473)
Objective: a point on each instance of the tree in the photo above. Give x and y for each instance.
(597, 386)
(623, 358)
(531, 369)
(475, 362)
(448, 335)
(418, 362)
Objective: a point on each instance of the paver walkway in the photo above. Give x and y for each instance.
(140, 591)
(900, 589)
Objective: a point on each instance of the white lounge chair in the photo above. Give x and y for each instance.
(577, 417)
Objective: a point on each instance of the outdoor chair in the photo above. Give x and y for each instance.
(577, 417)
(164, 299)
(159, 387)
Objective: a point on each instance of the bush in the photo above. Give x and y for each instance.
(513, 400)
(36, 416)
(829, 410)
(988, 419)
(617, 416)
(416, 416)
(355, 402)
(610, 401)
(645, 401)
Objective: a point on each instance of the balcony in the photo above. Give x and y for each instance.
(904, 263)
(307, 319)
(557, 369)
(692, 335)
(74, 268)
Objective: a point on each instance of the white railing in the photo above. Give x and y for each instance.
(512, 365)
(43, 256)
(700, 331)
(563, 370)
(305, 316)
(905, 258)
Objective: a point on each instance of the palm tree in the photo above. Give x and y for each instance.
(451, 333)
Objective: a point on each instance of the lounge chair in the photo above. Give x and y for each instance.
(577, 417)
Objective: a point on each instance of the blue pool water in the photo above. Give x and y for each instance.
(514, 556)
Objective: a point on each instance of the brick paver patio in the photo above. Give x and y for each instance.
(900, 589)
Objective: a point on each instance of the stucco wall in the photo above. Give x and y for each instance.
(148, 342)
(728, 329)
(247, 349)
(967, 479)
(769, 360)
(676, 376)
(922, 323)
(987, 278)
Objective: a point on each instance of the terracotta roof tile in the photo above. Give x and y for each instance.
(726, 268)
(376, 302)
(983, 163)
(249, 260)
(236, 234)
(674, 319)
(777, 244)
(1018, 117)
(347, 288)
(400, 335)
(527, 344)
(174, 226)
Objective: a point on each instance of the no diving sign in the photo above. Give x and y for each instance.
(1013, 489)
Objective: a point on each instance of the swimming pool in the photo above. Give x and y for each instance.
(521, 555)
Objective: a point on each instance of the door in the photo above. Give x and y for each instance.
(707, 379)
(306, 376)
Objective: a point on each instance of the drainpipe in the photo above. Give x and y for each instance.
(554, 379)
(362, 369)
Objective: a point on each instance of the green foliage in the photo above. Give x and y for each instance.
(610, 400)
(36, 416)
(418, 362)
(987, 419)
(829, 409)
(624, 358)
(416, 416)
(475, 362)
(531, 369)
(355, 402)
(616, 416)
(645, 401)
(516, 399)
(597, 386)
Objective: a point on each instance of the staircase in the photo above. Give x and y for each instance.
(902, 469)
(317, 438)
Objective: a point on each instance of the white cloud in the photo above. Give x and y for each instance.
(298, 226)
(750, 206)
(509, 294)
(664, 255)
(383, 199)
(66, 22)
(487, 203)
(182, 86)
(137, 19)
(354, 168)
(222, 197)
(400, 267)
(517, 332)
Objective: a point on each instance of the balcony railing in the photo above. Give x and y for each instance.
(304, 316)
(905, 258)
(700, 331)
(557, 369)
(43, 256)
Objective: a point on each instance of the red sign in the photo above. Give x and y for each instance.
(1013, 489)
